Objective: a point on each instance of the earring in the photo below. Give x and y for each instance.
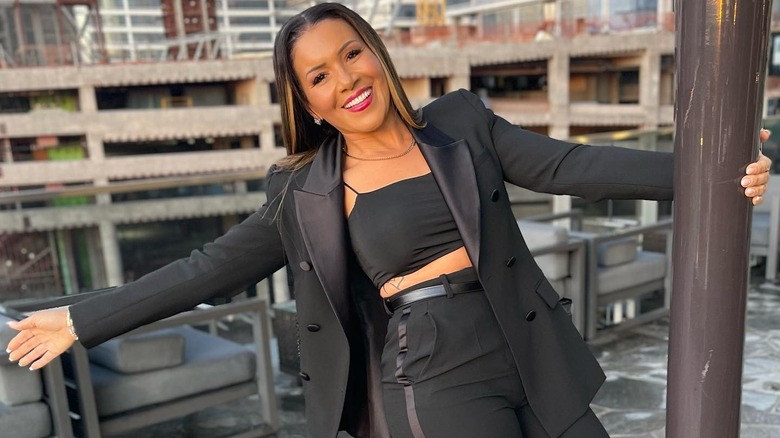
(317, 121)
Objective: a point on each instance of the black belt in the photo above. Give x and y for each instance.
(402, 299)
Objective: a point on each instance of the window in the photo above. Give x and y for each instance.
(247, 4)
(250, 21)
(407, 11)
(117, 38)
(143, 4)
(114, 20)
(146, 20)
(112, 4)
(253, 37)
(148, 37)
(278, 141)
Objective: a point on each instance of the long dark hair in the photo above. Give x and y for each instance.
(300, 134)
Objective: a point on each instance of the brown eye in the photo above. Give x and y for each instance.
(319, 78)
(353, 53)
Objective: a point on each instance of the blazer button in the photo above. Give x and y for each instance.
(306, 266)
(304, 376)
(530, 316)
(510, 261)
(495, 195)
(313, 327)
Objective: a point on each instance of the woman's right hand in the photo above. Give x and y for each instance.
(42, 337)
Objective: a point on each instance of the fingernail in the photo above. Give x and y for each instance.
(8, 350)
(750, 192)
(767, 131)
(745, 182)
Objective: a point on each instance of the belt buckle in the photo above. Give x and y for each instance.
(386, 305)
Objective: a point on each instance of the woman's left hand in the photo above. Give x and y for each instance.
(757, 174)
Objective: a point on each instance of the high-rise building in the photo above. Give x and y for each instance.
(135, 30)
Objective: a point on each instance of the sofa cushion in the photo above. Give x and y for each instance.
(18, 385)
(647, 267)
(6, 334)
(617, 252)
(142, 352)
(210, 363)
(539, 235)
(31, 420)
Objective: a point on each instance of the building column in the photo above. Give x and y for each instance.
(112, 259)
(665, 15)
(262, 93)
(95, 255)
(605, 16)
(66, 262)
(558, 18)
(558, 94)
(456, 82)
(558, 97)
(267, 140)
(650, 87)
(649, 100)
(87, 99)
(647, 211)
(5, 146)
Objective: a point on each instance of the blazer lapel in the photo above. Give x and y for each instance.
(320, 208)
(453, 169)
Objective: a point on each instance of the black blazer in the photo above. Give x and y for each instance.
(471, 152)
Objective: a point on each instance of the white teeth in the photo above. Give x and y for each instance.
(363, 96)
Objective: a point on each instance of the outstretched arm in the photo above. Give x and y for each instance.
(547, 165)
(246, 254)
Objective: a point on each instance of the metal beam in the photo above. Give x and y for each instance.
(722, 51)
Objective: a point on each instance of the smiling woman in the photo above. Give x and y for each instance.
(425, 314)
(344, 45)
(343, 80)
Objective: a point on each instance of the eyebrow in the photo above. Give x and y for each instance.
(341, 49)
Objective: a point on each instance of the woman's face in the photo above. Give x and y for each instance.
(341, 78)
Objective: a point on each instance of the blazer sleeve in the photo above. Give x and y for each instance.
(544, 164)
(247, 253)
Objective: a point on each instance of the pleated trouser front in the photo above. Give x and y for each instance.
(447, 372)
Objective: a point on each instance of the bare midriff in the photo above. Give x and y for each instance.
(451, 262)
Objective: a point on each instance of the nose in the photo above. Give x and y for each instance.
(346, 78)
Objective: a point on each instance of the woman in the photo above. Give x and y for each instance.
(422, 312)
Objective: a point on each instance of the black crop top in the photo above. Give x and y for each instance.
(401, 227)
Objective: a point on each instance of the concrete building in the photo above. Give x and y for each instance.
(110, 170)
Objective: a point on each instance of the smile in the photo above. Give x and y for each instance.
(360, 101)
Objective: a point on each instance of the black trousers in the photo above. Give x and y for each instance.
(447, 372)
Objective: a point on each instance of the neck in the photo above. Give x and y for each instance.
(392, 137)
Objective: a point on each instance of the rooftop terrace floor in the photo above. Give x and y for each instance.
(631, 404)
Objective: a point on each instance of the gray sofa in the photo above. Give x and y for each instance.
(167, 370)
(623, 267)
(32, 404)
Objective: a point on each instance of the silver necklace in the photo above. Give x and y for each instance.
(409, 149)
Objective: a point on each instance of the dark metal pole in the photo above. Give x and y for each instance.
(721, 59)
